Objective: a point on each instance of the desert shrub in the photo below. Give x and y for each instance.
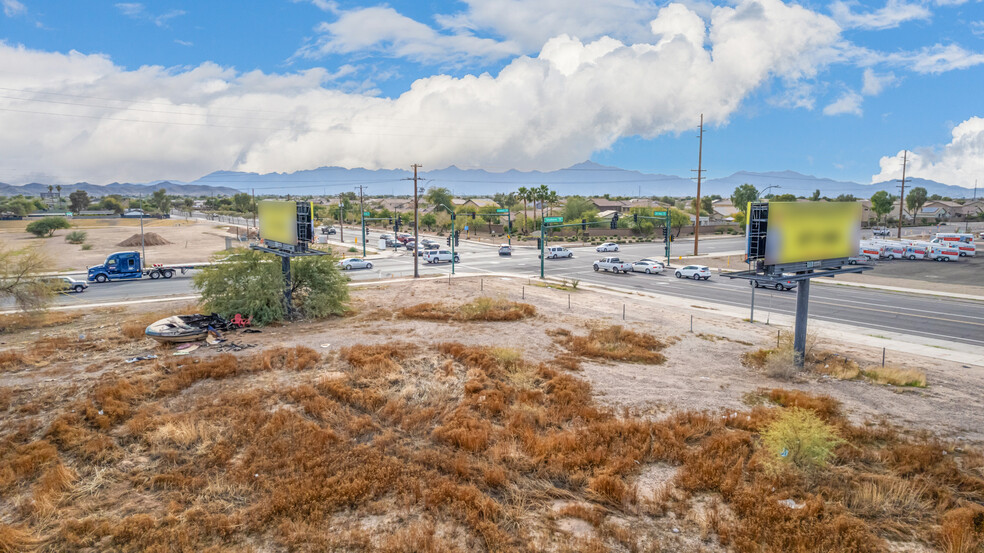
(824, 406)
(86, 247)
(76, 237)
(963, 530)
(12, 322)
(480, 309)
(46, 226)
(616, 343)
(250, 282)
(896, 376)
(801, 438)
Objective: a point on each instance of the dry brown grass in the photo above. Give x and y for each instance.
(895, 376)
(480, 309)
(395, 447)
(615, 343)
(15, 322)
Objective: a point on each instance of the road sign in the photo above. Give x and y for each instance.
(366, 214)
(553, 219)
(659, 214)
(502, 211)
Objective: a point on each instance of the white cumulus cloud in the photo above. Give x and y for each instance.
(959, 163)
(875, 83)
(12, 7)
(545, 112)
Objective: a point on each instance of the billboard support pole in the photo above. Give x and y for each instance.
(799, 332)
(288, 304)
(751, 316)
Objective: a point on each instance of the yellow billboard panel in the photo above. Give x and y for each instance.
(812, 231)
(278, 221)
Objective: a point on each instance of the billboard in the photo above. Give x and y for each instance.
(811, 231)
(278, 221)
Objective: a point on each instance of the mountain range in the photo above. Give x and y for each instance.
(584, 179)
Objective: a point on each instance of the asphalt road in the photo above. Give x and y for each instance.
(875, 310)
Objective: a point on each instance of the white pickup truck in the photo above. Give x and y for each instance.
(612, 264)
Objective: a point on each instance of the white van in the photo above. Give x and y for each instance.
(436, 256)
(554, 252)
(943, 252)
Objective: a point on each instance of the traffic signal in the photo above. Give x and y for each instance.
(456, 240)
(539, 243)
(635, 218)
(449, 239)
(614, 221)
(584, 224)
(473, 214)
(664, 234)
(399, 221)
(391, 220)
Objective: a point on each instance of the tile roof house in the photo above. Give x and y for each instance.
(604, 204)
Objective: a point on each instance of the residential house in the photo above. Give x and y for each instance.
(604, 204)
(723, 209)
(972, 208)
(394, 204)
(477, 203)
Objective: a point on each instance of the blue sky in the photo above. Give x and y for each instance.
(104, 91)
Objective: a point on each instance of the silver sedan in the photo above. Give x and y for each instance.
(354, 263)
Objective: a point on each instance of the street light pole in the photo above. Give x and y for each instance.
(416, 232)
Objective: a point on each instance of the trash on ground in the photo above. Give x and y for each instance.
(791, 504)
(141, 358)
(187, 349)
(185, 328)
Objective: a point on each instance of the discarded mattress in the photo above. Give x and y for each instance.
(185, 328)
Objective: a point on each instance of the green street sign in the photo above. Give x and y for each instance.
(366, 213)
(502, 211)
(553, 219)
(659, 214)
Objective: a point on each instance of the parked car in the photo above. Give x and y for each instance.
(556, 252)
(328, 230)
(612, 264)
(648, 266)
(354, 263)
(779, 285)
(881, 231)
(695, 272)
(505, 249)
(607, 247)
(66, 284)
(437, 256)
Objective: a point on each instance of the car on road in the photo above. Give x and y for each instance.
(66, 284)
(557, 252)
(778, 285)
(648, 266)
(881, 231)
(612, 264)
(428, 242)
(410, 245)
(437, 256)
(695, 272)
(328, 230)
(354, 263)
(393, 244)
(404, 237)
(505, 249)
(607, 247)
(386, 237)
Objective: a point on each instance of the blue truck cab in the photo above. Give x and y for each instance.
(119, 265)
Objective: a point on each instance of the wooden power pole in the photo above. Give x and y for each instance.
(416, 232)
(905, 155)
(700, 170)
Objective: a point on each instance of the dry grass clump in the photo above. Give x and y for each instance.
(616, 344)
(896, 376)
(480, 309)
(455, 448)
(31, 320)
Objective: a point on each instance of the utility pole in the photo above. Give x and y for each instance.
(905, 155)
(341, 221)
(700, 170)
(362, 211)
(255, 209)
(416, 232)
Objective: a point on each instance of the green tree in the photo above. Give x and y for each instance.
(47, 226)
(21, 280)
(188, 204)
(816, 196)
(110, 203)
(439, 196)
(428, 221)
(915, 201)
(524, 194)
(845, 198)
(489, 215)
(250, 282)
(678, 219)
(161, 201)
(742, 196)
(79, 200)
(242, 202)
(505, 200)
(784, 198)
(707, 205)
(881, 204)
(576, 207)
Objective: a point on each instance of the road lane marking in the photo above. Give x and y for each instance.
(905, 314)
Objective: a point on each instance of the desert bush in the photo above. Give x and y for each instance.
(801, 438)
(46, 226)
(896, 376)
(617, 344)
(76, 237)
(250, 284)
(86, 247)
(20, 277)
(13, 322)
(824, 406)
(480, 309)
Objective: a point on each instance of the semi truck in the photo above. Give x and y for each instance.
(129, 266)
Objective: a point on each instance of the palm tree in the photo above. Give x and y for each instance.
(542, 194)
(523, 193)
(552, 200)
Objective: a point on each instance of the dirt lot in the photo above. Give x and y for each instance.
(232, 452)
(190, 240)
